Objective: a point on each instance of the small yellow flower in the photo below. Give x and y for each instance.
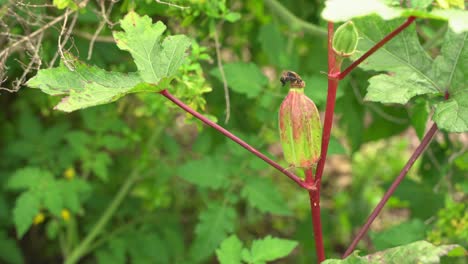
(39, 218)
(65, 214)
(69, 173)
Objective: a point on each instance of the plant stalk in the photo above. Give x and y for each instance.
(239, 141)
(83, 247)
(294, 21)
(340, 75)
(314, 198)
(419, 150)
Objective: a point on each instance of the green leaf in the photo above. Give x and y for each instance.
(421, 252)
(407, 64)
(268, 249)
(244, 78)
(10, 253)
(26, 208)
(343, 10)
(274, 45)
(214, 224)
(85, 85)
(62, 4)
(230, 251)
(450, 69)
(142, 38)
(400, 234)
(262, 194)
(206, 172)
(27, 178)
(418, 116)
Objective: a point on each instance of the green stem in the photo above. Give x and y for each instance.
(83, 247)
(294, 21)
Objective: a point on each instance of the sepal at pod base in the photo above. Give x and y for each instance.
(345, 39)
(299, 124)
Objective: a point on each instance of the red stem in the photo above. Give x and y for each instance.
(377, 46)
(333, 68)
(314, 198)
(427, 138)
(239, 141)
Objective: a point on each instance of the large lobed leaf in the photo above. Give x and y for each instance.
(421, 252)
(411, 72)
(404, 59)
(343, 10)
(88, 86)
(450, 71)
(142, 39)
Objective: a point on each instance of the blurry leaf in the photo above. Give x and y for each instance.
(229, 252)
(52, 198)
(335, 147)
(62, 4)
(400, 234)
(450, 70)
(232, 16)
(352, 119)
(274, 45)
(268, 249)
(99, 164)
(146, 247)
(113, 253)
(419, 116)
(456, 19)
(52, 229)
(386, 121)
(10, 253)
(155, 61)
(407, 65)
(26, 208)
(262, 194)
(28, 177)
(423, 200)
(214, 224)
(244, 78)
(206, 172)
(85, 85)
(421, 252)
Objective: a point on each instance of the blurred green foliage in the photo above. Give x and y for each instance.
(192, 195)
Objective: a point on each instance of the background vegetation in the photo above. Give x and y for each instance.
(139, 180)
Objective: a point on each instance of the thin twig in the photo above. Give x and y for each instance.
(105, 15)
(419, 150)
(173, 5)
(35, 33)
(223, 75)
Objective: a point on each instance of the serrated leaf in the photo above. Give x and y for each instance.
(29, 177)
(450, 69)
(206, 172)
(262, 194)
(142, 38)
(269, 249)
(421, 252)
(85, 85)
(244, 78)
(52, 198)
(230, 251)
(214, 224)
(344, 10)
(407, 64)
(26, 208)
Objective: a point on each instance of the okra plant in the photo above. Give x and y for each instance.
(376, 41)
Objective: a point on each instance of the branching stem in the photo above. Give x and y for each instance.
(239, 141)
(340, 75)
